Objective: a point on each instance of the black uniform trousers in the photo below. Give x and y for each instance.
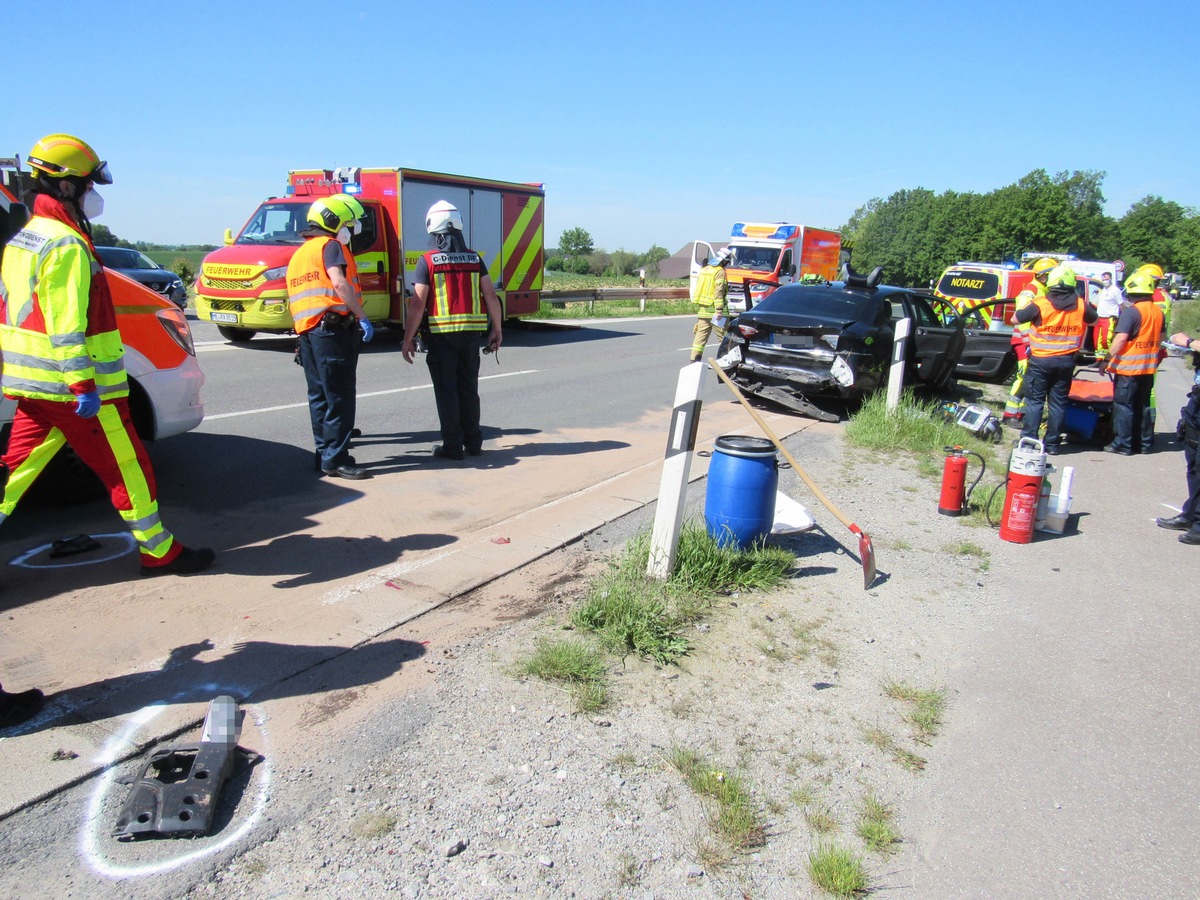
(453, 360)
(1191, 450)
(329, 355)
(1133, 422)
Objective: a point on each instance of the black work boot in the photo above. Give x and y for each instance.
(187, 562)
(18, 708)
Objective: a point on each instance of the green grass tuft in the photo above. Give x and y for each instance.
(736, 817)
(573, 663)
(837, 870)
(875, 825)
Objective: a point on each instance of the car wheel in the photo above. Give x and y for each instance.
(236, 335)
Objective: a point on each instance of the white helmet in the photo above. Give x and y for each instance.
(442, 217)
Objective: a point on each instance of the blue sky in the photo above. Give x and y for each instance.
(649, 123)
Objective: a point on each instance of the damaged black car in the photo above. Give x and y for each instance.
(808, 343)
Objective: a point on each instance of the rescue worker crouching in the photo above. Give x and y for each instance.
(63, 355)
(712, 306)
(325, 301)
(453, 303)
(1058, 322)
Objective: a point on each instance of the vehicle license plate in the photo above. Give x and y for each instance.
(230, 318)
(792, 340)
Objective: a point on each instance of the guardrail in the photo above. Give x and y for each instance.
(601, 295)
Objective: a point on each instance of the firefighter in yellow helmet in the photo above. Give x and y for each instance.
(63, 356)
(1058, 322)
(1164, 301)
(712, 305)
(1014, 408)
(325, 301)
(1132, 361)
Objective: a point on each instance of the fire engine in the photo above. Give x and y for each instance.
(242, 290)
(768, 255)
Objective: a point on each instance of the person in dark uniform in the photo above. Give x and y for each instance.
(326, 304)
(1188, 520)
(453, 303)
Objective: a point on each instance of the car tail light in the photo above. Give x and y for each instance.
(174, 322)
(748, 331)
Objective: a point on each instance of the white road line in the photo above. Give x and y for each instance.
(416, 387)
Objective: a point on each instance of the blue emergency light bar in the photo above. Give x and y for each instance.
(759, 232)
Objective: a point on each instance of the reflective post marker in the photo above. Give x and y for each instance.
(896, 375)
(677, 463)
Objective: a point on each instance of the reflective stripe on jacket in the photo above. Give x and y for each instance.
(1140, 356)
(310, 289)
(711, 287)
(455, 301)
(1032, 293)
(58, 328)
(1060, 332)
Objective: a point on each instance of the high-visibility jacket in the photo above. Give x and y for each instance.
(1060, 332)
(1163, 301)
(58, 328)
(965, 306)
(711, 287)
(1140, 356)
(310, 289)
(1030, 294)
(455, 301)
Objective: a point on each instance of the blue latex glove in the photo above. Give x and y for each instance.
(368, 330)
(87, 405)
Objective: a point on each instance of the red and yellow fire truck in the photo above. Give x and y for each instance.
(242, 290)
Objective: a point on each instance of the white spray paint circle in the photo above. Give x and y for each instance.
(124, 544)
(89, 846)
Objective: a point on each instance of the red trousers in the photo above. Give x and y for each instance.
(109, 445)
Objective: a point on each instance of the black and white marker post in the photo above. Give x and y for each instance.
(677, 464)
(896, 375)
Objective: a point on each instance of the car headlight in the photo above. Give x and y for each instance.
(276, 273)
(842, 373)
(831, 340)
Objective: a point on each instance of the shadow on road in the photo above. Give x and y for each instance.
(251, 672)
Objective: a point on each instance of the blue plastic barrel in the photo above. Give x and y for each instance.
(739, 504)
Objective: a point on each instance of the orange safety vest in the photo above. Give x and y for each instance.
(310, 289)
(455, 300)
(1059, 333)
(1140, 356)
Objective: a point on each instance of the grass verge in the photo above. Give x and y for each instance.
(734, 815)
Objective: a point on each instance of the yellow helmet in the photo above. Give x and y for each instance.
(1061, 274)
(331, 213)
(1045, 264)
(1140, 283)
(1154, 270)
(62, 155)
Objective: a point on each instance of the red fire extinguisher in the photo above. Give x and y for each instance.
(1026, 469)
(955, 494)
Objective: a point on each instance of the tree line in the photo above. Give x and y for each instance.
(578, 255)
(914, 234)
(102, 236)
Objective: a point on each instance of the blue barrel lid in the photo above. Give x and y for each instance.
(744, 445)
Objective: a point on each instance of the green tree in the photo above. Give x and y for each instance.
(1186, 251)
(574, 243)
(1148, 231)
(622, 262)
(598, 262)
(651, 258)
(102, 236)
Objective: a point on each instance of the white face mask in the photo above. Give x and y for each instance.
(343, 235)
(92, 205)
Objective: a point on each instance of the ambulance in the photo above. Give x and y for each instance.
(766, 255)
(242, 290)
(160, 359)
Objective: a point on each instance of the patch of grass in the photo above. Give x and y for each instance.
(814, 756)
(574, 664)
(880, 739)
(901, 544)
(373, 825)
(631, 613)
(628, 870)
(624, 761)
(926, 707)
(820, 819)
(917, 426)
(804, 795)
(735, 816)
(875, 825)
(837, 870)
